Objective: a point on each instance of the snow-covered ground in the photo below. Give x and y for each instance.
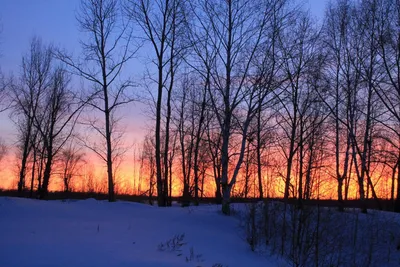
(98, 233)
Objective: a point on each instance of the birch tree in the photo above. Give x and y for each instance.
(238, 30)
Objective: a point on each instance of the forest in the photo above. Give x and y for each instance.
(246, 99)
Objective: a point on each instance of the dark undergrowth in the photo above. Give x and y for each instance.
(323, 236)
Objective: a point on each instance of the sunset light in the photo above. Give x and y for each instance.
(280, 119)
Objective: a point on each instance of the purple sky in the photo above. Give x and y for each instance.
(54, 21)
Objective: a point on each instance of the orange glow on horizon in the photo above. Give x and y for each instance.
(92, 177)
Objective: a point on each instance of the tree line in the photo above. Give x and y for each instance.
(245, 95)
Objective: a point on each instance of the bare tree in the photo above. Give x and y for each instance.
(186, 140)
(238, 31)
(3, 149)
(3, 152)
(201, 60)
(365, 62)
(298, 44)
(45, 111)
(161, 22)
(71, 160)
(106, 53)
(37, 161)
(337, 36)
(56, 119)
(147, 165)
(4, 100)
(4, 103)
(388, 90)
(191, 108)
(26, 93)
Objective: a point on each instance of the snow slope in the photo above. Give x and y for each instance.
(98, 233)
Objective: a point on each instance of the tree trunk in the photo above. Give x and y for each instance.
(397, 203)
(160, 193)
(166, 148)
(111, 194)
(218, 194)
(197, 144)
(33, 172)
(170, 182)
(40, 170)
(392, 188)
(291, 148)
(43, 192)
(258, 151)
(227, 117)
(25, 154)
(225, 163)
(301, 163)
(226, 199)
(247, 171)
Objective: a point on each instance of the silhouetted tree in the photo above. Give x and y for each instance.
(71, 160)
(105, 54)
(237, 29)
(161, 22)
(27, 92)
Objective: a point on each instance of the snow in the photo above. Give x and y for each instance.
(99, 233)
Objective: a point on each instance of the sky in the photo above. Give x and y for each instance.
(54, 22)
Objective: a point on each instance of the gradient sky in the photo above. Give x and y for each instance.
(54, 21)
